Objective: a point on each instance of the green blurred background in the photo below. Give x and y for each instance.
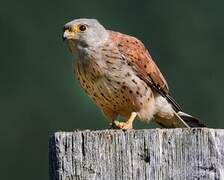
(39, 95)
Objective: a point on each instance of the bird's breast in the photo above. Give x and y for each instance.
(113, 85)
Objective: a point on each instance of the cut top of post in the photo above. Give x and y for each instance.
(154, 154)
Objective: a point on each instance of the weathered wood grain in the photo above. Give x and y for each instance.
(155, 154)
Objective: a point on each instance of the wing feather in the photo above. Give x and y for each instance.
(137, 55)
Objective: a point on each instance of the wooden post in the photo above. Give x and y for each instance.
(155, 154)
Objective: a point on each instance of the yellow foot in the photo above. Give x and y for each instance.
(127, 124)
(123, 125)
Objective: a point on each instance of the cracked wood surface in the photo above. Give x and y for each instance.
(155, 154)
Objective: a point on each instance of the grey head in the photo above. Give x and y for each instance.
(82, 33)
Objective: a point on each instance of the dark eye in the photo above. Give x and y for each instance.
(82, 27)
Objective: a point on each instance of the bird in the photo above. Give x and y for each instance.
(118, 73)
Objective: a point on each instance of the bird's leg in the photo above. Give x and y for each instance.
(128, 123)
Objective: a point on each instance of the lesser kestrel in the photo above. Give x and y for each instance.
(118, 73)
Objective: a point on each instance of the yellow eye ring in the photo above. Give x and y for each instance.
(82, 27)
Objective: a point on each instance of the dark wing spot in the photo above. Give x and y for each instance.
(127, 74)
(108, 62)
(102, 95)
(108, 80)
(133, 80)
(93, 76)
(129, 64)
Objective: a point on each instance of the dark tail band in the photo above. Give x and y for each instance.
(190, 120)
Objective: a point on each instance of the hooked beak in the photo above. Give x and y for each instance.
(68, 33)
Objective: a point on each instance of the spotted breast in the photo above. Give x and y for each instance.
(108, 78)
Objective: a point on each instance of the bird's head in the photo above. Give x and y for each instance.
(81, 33)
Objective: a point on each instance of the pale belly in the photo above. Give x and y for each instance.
(120, 92)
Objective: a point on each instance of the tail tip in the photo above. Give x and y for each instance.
(190, 120)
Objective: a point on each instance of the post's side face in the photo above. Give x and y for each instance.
(156, 154)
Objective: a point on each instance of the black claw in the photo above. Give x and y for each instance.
(113, 126)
